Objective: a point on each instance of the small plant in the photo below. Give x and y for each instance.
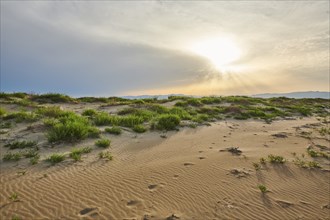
(89, 112)
(12, 156)
(75, 156)
(34, 160)
(262, 160)
(262, 188)
(55, 158)
(256, 166)
(103, 143)
(105, 155)
(93, 132)
(21, 144)
(139, 129)
(77, 152)
(30, 153)
(14, 197)
(168, 122)
(15, 217)
(234, 150)
(113, 130)
(313, 164)
(276, 159)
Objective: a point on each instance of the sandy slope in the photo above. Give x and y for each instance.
(183, 176)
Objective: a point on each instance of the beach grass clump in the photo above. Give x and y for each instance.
(34, 160)
(76, 153)
(139, 129)
(2, 112)
(103, 118)
(94, 132)
(52, 112)
(167, 122)
(105, 155)
(130, 121)
(262, 188)
(194, 102)
(21, 144)
(21, 116)
(52, 98)
(262, 160)
(200, 118)
(276, 159)
(256, 166)
(6, 124)
(31, 153)
(12, 156)
(113, 130)
(71, 128)
(14, 197)
(105, 143)
(56, 158)
(89, 112)
(181, 104)
(313, 164)
(181, 112)
(324, 131)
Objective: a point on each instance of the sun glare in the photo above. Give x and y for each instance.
(220, 51)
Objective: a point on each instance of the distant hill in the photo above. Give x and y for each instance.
(296, 95)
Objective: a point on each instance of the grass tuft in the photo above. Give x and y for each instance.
(103, 143)
(105, 155)
(113, 130)
(56, 158)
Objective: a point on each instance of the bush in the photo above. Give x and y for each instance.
(103, 118)
(89, 112)
(70, 128)
(276, 159)
(168, 122)
(139, 129)
(56, 158)
(103, 143)
(52, 98)
(113, 130)
(21, 117)
(34, 160)
(53, 112)
(77, 152)
(12, 156)
(106, 155)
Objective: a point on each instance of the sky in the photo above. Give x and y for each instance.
(106, 48)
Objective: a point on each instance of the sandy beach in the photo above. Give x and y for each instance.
(185, 174)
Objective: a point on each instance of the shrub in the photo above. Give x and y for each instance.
(103, 118)
(52, 98)
(12, 156)
(70, 128)
(21, 144)
(34, 160)
(276, 159)
(52, 111)
(167, 122)
(262, 188)
(77, 152)
(113, 130)
(194, 102)
(139, 129)
(182, 113)
(103, 143)
(55, 158)
(181, 104)
(106, 155)
(31, 153)
(129, 121)
(93, 132)
(21, 117)
(89, 112)
(2, 112)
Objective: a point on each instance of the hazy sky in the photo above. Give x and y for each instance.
(104, 48)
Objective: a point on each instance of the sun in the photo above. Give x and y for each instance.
(220, 51)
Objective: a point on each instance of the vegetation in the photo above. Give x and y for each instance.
(34, 160)
(139, 129)
(262, 188)
(103, 143)
(276, 159)
(12, 156)
(167, 122)
(21, 116)
(14, 197)
(113, 130)
(55, 158)
(105, 155)
(21, 144)
(256, 166)
(77, 152)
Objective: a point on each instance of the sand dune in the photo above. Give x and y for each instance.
(187, 175)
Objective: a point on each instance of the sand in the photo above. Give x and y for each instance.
(186, 174)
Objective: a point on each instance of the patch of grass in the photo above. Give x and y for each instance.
(31, 153)
(21, 144)
(89, 112)
(105, 155)
(103, 118)
(77, 152)
(103, 143)
(276, 159)
(256, 166)
(34, 160)
(139, 129)
(12, 156)
(200, 118)
(262, 188)
(56, 158)
(2, 112)
(52, 111)
(52, 98)
(93, 132)
(181, 112)
(262, 160)
(22, 116)
(6, 124)
(324, 131)
(15, 217)
(14, 197)
(167, 122)
(113, 130)
(194, 102)
(70, 128)
(130, 121)
(313, 164)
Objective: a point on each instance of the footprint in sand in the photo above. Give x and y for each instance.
(188, 164)
(175, 176)
(284, 204)
(200, 151)
(201, 158)
(135, 204)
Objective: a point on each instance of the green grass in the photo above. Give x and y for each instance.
(256, 166)
(12, 156)
(21, 144)
(262, 188)
(103, 143)
(14, 197)
(56, 158)
(275, 159)
(34, 160)
(71, 128)
(52, 111)
(15, 217)
(52, 98)
(76, 153)
(105, 155)
(89, 112)
(22, 116)
(167, 122)
(31, 153)
(113, 130)
(139, 129)
(2, 112)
